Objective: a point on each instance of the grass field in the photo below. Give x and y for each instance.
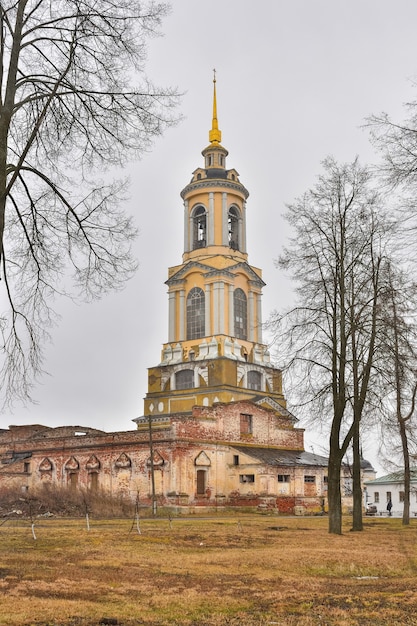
(242, 570)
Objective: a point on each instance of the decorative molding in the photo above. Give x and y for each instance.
(202, 460)
(93, 463)
(72, 464)
(46, 465)
(277, 407)
(219, 183)
(123, 461)
(158, 460)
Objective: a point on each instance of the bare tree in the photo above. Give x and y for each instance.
(327, 341)
(69, 111)
(397, 143)
(398, 370)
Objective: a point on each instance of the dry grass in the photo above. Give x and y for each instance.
(246, 571)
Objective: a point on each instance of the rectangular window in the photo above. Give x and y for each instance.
(201, 482)
(283, 478)
(73, 480)
(389, 496)
(325, 480)
(309, 479)
(245, 424)
(247, 478)
(401, 496)
(235, 459)
(376, 497)
(93, 481)
(26, 468)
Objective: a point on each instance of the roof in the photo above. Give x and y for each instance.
(366, 465)
(265, 399)
(14, 457)
(395, 477)
(288, 458)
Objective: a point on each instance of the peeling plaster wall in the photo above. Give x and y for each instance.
(185, 446)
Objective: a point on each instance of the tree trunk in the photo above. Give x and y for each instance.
(334, 492)
(406, 457)
(357, 522)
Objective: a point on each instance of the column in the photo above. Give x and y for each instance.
(231, 330)
(187, 246)
(207, 311)
(216, 298)
(171, 316)
(221, 309)
(210, 220)
(182, 316)
(243, 240)
(259, 317)
(225, 221)
(251, 316)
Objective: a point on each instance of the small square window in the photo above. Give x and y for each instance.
(309, 479)
(247, 478)
(283, 478)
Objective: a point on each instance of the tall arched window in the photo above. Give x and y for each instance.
(195, 314)
(199, 228)
(241, 314)
(233, 223)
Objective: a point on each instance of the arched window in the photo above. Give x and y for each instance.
(255, 380)
(195, 314)
(233, 223)
(199, 228)
(241, 314)
(184, 379)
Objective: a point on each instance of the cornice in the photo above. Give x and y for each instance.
(213, 182)
(178, 276)
(209, 271)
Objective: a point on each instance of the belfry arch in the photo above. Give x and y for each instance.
(199, 227)
(233, 224)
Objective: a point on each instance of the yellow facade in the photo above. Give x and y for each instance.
(214, 351)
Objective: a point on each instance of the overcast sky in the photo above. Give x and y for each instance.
(295, 81)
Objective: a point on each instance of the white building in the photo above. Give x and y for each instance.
(391, 487)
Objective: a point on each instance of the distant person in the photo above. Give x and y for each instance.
(389, 506)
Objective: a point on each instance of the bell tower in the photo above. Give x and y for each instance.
(214, 351)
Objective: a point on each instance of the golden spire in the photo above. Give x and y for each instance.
(215, 135)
